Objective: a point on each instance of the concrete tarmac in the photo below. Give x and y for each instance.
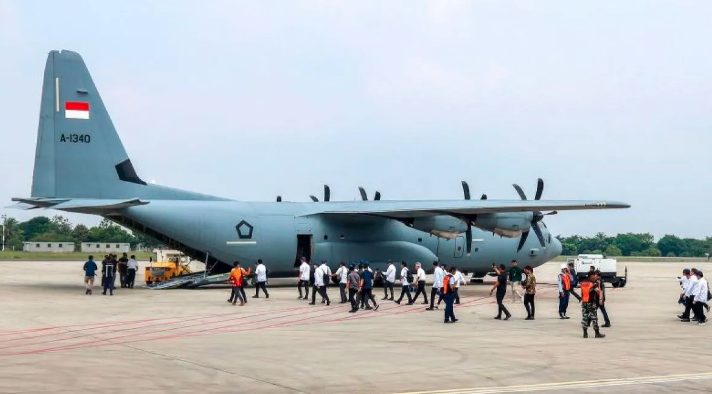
(55, 339)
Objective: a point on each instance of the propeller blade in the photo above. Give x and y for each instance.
(377, 196)
(483, 197)
(551, 213)
(522, 240)
(466, 190)
(279, 198)
(537, 231)
(539, 188)
(327, 193)
(520, 191)
(468, 239)
(314, 199)
(361, 190)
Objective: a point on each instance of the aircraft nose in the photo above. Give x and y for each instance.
(555, 247)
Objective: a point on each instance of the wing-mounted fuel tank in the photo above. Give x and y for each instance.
(443, 226)
(506, 224)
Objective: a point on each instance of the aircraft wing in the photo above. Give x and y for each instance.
(458, 208)
(95, 206)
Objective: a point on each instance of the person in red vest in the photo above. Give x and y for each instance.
(448, 293)
(591, 297)
(563, 282)
(237, 279)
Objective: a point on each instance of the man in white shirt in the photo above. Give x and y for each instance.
(405, 284)
(321, 276)
(303, 279)
(132, 267)
(690, 292)
(342, 275)
(700, 298)
(420, 277)
(438, 275)
(459, 281)
(389, 281)
(261, 276)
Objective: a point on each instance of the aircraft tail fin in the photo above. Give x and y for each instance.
(79, 153)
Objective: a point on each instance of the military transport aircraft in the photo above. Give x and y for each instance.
(81, 166)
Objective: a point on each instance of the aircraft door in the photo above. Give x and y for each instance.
(459, 246)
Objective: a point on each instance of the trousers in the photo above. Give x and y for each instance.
(304, 283)
(405, 290)
(449, 308)
(500, 304)
(529, 304)
(342, 292)
(386, 286)
(352, 299)
(563, 302)
(130, 277)
(589, 315)
(236, 295)
(421, 290)
(263, 286)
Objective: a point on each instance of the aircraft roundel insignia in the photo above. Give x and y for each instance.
(244, 230)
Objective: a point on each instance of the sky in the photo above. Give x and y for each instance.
(248, 100)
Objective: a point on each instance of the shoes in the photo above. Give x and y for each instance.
(606, 325)
(229, 301)
(311, 303)
(701, 324)
(685, 320)
(397, 302)
(410, 303)
(529, 318)
(368, 308)
(342, 302)
(242, 303)
(681, 317)
(384, 298)
(585, 334)
(566, 317)
(457, 303)
(599, 335)
(235, 302)
(103, 293)
(376, 308)
(447, 321)
(390, 299)
(266, 295)
(454, 320)
(353, 310)
(498, 318)
(507, 317)
(429, 309)
(328, 303)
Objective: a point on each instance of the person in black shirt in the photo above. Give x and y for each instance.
(501, 287)
(123, 270)
(108, 273)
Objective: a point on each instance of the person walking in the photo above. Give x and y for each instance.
(327, 274)
(353, 282)
(123, 270)
(89, 274)
(131, 268)
(108, 274)
(574, 281)
(602, 304)
(529, 285)
(689, 294)
(459, 281)
(261, 276)
(563, 282)
(501, 287)
(590, 298)
(366, 288)
(438, 275)
(341, 275)
(320, 285)
(389, 281)
(700, 298)
(420, 278)
(236, 278)
(515, 280)
(303, 279)
(448, 292)
(405, 284)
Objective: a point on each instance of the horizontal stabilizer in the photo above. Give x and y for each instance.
(95, 206)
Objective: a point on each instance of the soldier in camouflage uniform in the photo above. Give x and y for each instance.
(590, 299)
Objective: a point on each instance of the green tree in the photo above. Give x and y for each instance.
(671, 244)
(631, 242)
(613, 250)
(34, 227)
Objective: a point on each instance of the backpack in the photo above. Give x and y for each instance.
(410, 277)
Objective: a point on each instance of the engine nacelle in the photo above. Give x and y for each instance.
(506, 224)
(443, 226)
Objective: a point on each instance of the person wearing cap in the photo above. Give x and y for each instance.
(389, 281)
(438, 275)
(501, 286)
(261, 276)
(366, 288)
(689, 294)
(700, 298)
(304, 270)
(405, 284)
(590, 300)
(420, 278)
(563, 283)
(341, 275)
(353, 281)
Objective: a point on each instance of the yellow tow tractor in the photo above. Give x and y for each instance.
(168, 265)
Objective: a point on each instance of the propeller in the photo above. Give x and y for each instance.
(469, 220)
(327, 194)
(279, 198)
(537, 216)
(364, 196)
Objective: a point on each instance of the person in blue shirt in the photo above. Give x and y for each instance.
(89, 274)
(367, 287)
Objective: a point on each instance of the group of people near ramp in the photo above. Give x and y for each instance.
(111, 265)
(694, 296)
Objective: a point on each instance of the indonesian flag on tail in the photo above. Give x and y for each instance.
(76, 110)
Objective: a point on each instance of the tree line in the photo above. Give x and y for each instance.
(58, 228)
(636, 244)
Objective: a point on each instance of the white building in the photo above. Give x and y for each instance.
(105, 247)
(53, 247)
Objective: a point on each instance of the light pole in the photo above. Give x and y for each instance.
(4, 219)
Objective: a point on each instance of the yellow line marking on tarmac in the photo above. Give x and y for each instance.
(581, 384)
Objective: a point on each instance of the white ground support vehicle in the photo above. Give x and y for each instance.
(608, 268)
